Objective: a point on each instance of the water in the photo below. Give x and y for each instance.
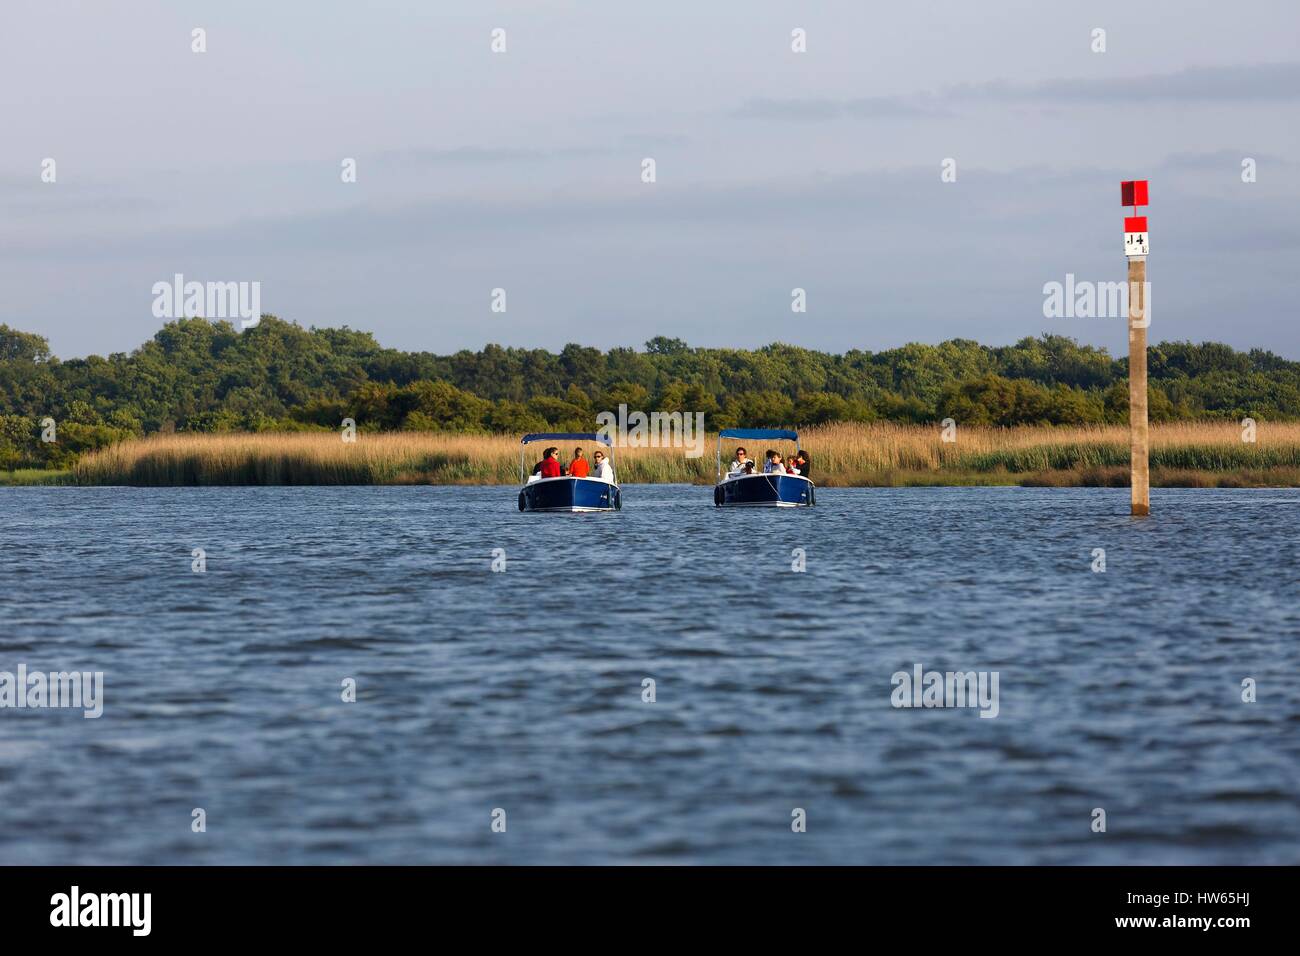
(522, 690)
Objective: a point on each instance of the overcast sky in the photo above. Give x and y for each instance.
(775, 169)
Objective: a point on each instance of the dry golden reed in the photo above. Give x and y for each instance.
(842, 454)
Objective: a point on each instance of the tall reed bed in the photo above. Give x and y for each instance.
(842, 454)
(381, 458)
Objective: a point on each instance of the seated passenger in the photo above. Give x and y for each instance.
(774, 466)
(551, 464)
(579, 467)
(791, 466)
(805, 465)
(738, 466)
(604, 470)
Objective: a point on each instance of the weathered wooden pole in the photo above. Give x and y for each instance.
(1139, 446)
(1136, 246)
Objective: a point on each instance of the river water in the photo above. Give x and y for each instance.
(520, 695)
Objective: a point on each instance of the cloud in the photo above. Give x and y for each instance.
(1268, 82)
(817, 109)
(1039, 200)
(1264, 82)
(1222, 159)
(481, 155)
(887, 257)
(30, 197)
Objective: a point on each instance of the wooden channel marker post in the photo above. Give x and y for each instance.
(1136, 245)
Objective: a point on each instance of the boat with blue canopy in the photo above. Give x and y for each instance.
(738, 489)
(567, 492)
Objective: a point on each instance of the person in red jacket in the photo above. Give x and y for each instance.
(579, 467)
(551, 464)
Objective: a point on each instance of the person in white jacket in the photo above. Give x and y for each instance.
(738, 466)
(601, 468)
(774, 466)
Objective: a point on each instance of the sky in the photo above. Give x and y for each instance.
(522, 170)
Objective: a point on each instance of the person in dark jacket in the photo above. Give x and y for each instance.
(805, 466)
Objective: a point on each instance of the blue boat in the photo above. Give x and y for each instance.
(759, 490)
(566, 493)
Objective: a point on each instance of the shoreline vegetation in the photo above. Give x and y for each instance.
(1202, 454)
(205, 403)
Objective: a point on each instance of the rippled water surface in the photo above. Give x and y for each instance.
(522, 690)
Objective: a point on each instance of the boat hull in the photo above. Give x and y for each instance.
(570, 494)
(765, 491)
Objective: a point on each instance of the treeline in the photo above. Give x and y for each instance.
(196, 375)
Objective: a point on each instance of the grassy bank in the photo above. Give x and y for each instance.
(1182, 455)
(34, 476)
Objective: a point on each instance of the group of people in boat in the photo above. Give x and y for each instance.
(798, 464)
(600, 467)
(551, 467)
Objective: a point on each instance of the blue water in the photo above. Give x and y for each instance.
(522, 689)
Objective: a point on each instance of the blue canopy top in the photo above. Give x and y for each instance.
(565, 436)
(753, 433)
